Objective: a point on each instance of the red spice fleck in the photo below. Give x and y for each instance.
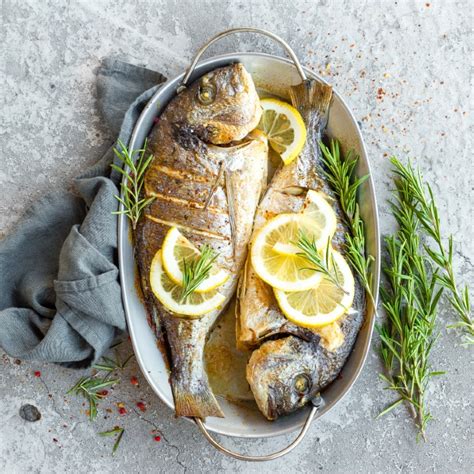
(103, 393)
(157, 438)
(380, 93)
(122, 411)
(133, 380)
(156, 120)
(37, 373)
(141, 406)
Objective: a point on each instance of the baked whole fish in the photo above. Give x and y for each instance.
(286, 371)
(207, 176)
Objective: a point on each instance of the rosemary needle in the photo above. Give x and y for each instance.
(133, 171)
(117, 430)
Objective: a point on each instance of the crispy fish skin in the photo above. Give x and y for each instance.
(196, 184)
(315, 355)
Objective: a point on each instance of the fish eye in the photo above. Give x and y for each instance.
(302, 384)
(206, 93)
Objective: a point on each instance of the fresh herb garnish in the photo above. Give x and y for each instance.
(197, 270)
(424, 206)
(310, 252)
(92, 387)
(410, 303)
(89, 388)
(133, 172)
(117, 430)
(341, 177)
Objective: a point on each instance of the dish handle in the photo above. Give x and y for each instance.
(317, 402)
(259, 31)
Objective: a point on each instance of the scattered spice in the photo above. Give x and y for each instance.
(141, 406)
(157, 438)
(37, 373)
(133, 380)
(103, 393)
(380, 93)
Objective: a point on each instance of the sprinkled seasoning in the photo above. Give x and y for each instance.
(37, 373)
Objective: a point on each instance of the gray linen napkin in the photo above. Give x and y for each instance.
(60, 297)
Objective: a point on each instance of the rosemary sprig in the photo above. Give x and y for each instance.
(410, 302)
(424, 206)
(89, 388)
(310, 252)
(117, 430)
(133, 171)
(196, 270)
(340, 174)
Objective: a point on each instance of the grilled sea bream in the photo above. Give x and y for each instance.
(207, 176)
(291, 364)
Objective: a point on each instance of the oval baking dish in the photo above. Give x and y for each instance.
(275, 74)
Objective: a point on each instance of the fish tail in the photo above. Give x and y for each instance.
(194, 398)
(312, 98)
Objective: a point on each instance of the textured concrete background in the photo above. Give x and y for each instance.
(404, 68)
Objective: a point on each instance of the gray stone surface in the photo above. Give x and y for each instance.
(417, 53)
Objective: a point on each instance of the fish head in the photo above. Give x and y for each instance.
(224, 106)
(283, 375)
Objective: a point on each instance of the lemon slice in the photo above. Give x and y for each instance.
(317, 207)
(284, 128)
(176, 248)
(168, 293)
(324, 303)
(274, 255)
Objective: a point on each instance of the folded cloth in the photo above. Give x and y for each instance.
(60, 297)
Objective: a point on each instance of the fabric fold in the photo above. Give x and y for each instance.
(60, 297)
